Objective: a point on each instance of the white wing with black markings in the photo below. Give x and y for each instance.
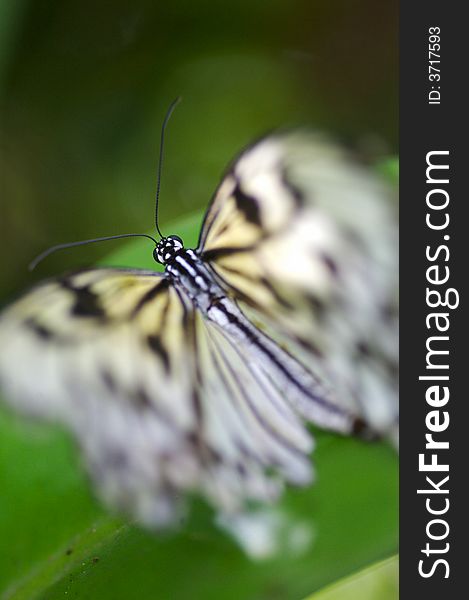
(305, 238)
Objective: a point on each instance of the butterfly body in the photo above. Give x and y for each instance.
(200, 379)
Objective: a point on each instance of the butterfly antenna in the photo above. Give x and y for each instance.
(33, 264)
(172, 106)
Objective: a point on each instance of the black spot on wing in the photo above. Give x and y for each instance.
(248, 205)
(276, 294)
(361, 429)
(160, 287)
(207, 453)
(294, 191)
(389, 312)
(224, 229)
(241, 469)
(217, 253)
(86, 303)
(197, 404)
(317, 305)
(158, 348)
(42, 332)
(108, 379)
(262, 281)
(368, 352)
(330, 264)
(142, 399)
(363, 348)
(310, 347)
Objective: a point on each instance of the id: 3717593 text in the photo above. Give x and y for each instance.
(434, 72)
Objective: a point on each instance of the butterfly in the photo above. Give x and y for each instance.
(202, 378)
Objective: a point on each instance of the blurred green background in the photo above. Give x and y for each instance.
(84, 86)
(83, 90)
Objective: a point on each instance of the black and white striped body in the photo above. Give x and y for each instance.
(195, 280)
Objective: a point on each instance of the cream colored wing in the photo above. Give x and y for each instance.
(105, 353)
(161, 400)
(305, 239)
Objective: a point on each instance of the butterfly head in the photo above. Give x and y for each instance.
(167, 248)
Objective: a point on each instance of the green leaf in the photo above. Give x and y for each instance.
(381, 580)
(57, 540)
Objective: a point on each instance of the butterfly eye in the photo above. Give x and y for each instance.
(157, 256)
(177, 239)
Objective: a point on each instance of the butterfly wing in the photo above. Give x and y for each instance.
(104, 352)
(305, 239)
(249, 435)
(160, 398)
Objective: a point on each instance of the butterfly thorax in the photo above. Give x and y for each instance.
(192, 276)
(187, 272)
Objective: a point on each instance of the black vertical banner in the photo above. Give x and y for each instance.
(434, 269)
